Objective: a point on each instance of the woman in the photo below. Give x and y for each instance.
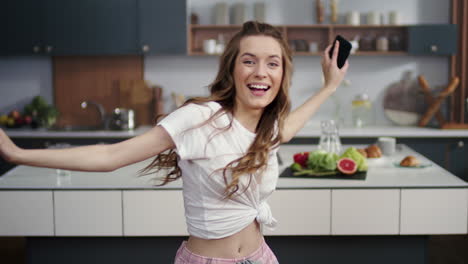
(223, 146)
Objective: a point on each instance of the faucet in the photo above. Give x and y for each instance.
(100, 108)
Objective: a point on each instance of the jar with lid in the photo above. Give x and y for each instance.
(382, 43)
(361, 110)
(330, 139)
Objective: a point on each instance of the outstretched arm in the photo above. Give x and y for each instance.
(90, 158)
(333, 77)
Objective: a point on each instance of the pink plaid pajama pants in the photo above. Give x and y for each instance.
(263, 255)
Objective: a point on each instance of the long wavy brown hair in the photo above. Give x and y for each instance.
(223, 91)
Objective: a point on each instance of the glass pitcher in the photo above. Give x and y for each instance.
(329, 139)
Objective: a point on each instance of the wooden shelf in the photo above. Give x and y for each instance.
(302, 36)
(359, 53)
(304, 53)
(379, 53)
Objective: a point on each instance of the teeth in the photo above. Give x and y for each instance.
(258, 86)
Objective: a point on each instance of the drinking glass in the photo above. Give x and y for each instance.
(63, 176)
(330, 139)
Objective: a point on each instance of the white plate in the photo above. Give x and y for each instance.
(420, 166)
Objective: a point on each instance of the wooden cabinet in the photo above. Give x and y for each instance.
(154, 213)
(457, 156)
(55, 27)
(365, 212)
(300, 212)
(88, 213)
(21, 27)
(90, 27)
(26, 213)
(162, 26)
(432, 39)
(434, 211)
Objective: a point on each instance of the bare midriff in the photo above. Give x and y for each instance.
(238, 245)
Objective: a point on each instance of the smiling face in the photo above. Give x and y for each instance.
(258, 72)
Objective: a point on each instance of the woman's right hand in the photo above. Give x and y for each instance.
(7, 147)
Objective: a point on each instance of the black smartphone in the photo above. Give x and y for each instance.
(343, 53)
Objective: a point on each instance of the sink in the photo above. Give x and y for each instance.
(75, 128)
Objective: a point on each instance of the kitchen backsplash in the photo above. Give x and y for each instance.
(366, 74)
(22, 78)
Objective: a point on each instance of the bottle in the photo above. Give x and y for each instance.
(361, 108)
(319, 9)
(330, 139)
(334, 11)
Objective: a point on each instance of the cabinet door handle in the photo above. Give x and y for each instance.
(434, 48)
(145, 48)
(460, 144)
(49, 49)
(36, 49)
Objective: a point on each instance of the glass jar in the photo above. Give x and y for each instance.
(330, 139)
(361, 108)
(395, 43)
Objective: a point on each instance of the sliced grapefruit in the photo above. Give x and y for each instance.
(346, 166)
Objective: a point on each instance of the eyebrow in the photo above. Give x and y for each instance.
(253, 55)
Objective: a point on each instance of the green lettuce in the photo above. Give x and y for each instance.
(353, 154)
(321, 160)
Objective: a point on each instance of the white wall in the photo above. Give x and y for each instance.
(191, 75)
(22, 78)
(303, 11)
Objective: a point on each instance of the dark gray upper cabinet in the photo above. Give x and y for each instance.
(432, 39)
(162, 26)
(90, 27)
(21, 27)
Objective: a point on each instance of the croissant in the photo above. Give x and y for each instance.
(373, 151)
(363, 152)
(410, 161)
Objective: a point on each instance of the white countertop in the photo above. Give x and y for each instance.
(44, 133)
(386, 131)
(381, 174)
(307, 131)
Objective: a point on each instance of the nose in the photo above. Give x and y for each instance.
(260, 71)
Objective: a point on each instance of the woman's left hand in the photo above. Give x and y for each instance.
(332, 74)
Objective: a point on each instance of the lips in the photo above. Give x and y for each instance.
(258, 89)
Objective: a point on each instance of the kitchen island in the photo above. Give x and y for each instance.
(447, 148)
(393, 207)
(310, 130)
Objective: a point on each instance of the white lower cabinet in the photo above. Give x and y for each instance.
(26, 213)
(365, 211)
(300, 212)
(88, 213)
(434, 211)
(154, 213)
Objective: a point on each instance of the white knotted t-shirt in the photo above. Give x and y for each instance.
(204, 150)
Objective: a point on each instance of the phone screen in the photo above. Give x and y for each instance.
(343, 53)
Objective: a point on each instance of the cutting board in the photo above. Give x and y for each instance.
(288, 173)
(403, 101)
(142, 97)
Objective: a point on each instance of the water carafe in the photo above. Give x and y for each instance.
(361, 111)
(330, 139)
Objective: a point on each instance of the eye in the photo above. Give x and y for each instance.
(248, 62)
(273, 64)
